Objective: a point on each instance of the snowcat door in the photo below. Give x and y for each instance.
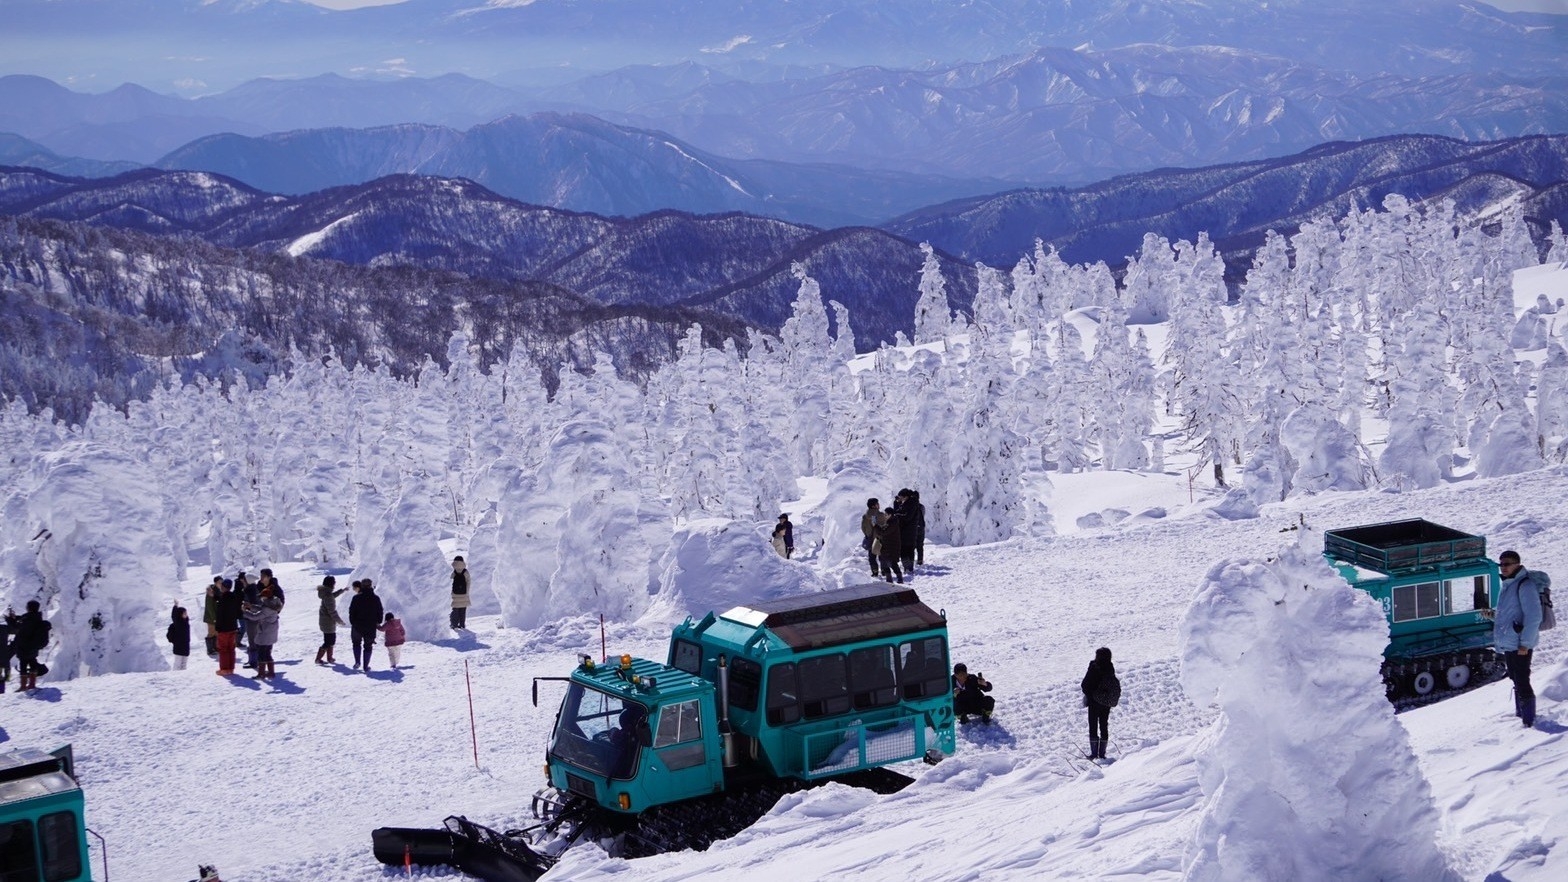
(681, 759)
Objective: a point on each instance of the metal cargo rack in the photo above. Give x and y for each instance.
(1403, 546)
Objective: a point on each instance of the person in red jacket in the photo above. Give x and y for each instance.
(395, 638)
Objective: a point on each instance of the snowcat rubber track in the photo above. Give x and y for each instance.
(1399, 676)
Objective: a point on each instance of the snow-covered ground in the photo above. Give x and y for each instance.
(285, 780)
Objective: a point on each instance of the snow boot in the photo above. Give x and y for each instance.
(321, 654)
(1527, 712)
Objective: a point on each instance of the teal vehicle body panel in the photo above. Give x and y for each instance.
(1435, 584)
(814, 687)
(42, 818)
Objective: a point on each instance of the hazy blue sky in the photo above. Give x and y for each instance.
(1511, 5)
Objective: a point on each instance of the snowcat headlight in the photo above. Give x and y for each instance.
(625, 801)
(626, 661)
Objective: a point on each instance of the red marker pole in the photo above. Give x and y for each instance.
(472, 728)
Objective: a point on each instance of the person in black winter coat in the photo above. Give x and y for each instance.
(226, 615)
(908, 530)
(969, 695)
(889, 549)
(1101, 690)
(31, 637)
(364, 615)
(179, 636)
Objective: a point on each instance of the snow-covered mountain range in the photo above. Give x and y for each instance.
(219, 44)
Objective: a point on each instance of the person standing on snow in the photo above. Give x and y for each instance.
(889, 547)
(179, 636)
(209, 614)
(364, 616)
(460, 596)
(1516, 626)
(396, 637)
(32, 637)
(263, 618)
(787, 530)
(908, 530)
(1101, 692)
(328, 619)
(868, 529)
(227, 614)
(918, 514)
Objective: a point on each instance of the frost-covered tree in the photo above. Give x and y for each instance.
(1306, 742)
(933, 315)
(88, 543)
(1203, 381)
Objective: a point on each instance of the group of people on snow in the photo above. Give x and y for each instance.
(894, 537)
(243, 614)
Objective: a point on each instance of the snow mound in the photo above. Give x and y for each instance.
(1306, 741)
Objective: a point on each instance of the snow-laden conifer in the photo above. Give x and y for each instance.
(1306, 741)
(933, 315)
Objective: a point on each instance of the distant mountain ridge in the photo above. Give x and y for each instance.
(571, 161)
(119, 40)
(739, 264)
(736, 263)
(1237, 203)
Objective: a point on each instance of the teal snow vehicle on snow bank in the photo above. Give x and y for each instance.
(42, 829)
(1437, 589)
(761, 700)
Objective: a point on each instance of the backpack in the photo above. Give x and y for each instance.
(1548, 615)
(1108, 692)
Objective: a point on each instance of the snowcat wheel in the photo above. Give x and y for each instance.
(1423, 683)
(1459, 676)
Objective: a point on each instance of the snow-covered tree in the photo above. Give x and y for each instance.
(933, 315)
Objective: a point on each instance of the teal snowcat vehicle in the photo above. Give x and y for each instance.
(42, 828)
(1437, 588)
(653, 756)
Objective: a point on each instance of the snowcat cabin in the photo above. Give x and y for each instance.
(1436, 587)
(42, 835)
(827, 683)
(632, 734)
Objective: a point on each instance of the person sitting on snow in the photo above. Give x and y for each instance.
(969, 698)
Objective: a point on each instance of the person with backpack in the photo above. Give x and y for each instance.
(888, 532)
(1516, 626)
(1101, 692)
(969, 695)
(32, 636)
(179, 636)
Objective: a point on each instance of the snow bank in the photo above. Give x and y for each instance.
(716, 564)
(1306, 742)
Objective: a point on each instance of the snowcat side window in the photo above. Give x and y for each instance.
(1464, 595)
(687, 656)
(18, 858)
(61, 846)
(783, 695)
(1422, 601)
(824, 686)
(745, 683)
(871, 677)
(922, 669)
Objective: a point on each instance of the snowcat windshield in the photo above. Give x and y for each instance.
(597, 732)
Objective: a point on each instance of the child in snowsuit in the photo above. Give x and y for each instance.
(179, 636)
(394, 639)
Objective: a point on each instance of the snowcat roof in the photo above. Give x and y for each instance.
(847, 615)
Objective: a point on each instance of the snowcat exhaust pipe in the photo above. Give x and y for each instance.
(726, 734)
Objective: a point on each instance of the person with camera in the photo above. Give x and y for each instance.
(969, 698)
